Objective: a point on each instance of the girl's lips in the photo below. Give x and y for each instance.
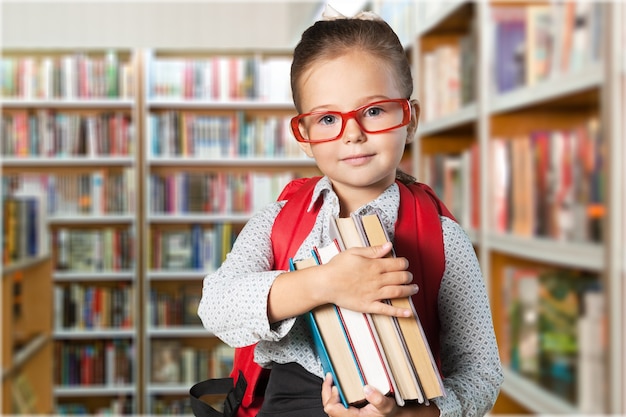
(357, 159)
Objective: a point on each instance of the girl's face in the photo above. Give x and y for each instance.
(357, 160)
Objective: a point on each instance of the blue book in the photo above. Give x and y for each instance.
(326, 331)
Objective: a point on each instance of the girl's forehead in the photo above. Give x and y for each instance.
(344, 76)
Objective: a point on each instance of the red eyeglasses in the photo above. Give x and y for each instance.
(377, 117)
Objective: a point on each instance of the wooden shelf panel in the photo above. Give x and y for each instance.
(113, 103)
(178, 331)
(571, 255)
(195, 104)
(231, 162)
(67, 161)
(534, 397)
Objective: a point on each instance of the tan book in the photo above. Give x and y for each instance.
(415, 341)
(389, 333)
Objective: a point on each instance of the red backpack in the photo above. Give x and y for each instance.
(418, 237)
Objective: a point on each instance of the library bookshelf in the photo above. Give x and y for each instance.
(216, 148)
(27, 340)
(491, 94)
(69, 122)
(175, 149)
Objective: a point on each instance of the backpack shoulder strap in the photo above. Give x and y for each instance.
(419, 238)
(294, 222)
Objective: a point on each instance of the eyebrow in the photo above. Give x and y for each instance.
(366, 101)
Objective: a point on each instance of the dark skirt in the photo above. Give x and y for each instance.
(292, 391)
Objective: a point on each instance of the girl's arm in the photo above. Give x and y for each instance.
(245, 301)
(234, 297)
(357, 279)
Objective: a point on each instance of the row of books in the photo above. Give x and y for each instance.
(391, 354)
(104, 191)
(82, 306)
(171, 406)
(454, 178)
(68, 76)
(194, 247)
(174, 308)
(175, 363)
(214, 192)
(554, 332)
(550, 183)
(51, 133)
(94, 250)
(121, 405)
(24, 229)
(221, 78)
(108, 363)
(541, 41)
(448, 77)
(174, 133)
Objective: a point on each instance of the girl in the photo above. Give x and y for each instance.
(351, 84)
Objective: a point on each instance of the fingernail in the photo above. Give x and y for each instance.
(367, 390)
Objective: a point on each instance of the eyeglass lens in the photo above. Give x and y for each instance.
(375, 117)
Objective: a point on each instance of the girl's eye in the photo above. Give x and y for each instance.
(373, 112)
(328, 119)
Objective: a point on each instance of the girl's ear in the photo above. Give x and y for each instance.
(412, 127)
(306, 147)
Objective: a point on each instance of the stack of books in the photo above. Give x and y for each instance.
(390, 354)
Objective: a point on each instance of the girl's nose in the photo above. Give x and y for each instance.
(353, 132)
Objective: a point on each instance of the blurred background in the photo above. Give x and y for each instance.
(137, 137)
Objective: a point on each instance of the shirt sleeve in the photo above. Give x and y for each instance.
(469, 352)
(234, 298)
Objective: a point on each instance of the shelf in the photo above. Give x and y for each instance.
(23, 264)
(198, 104)
(24, 354)
(534, 397)
(94, 334)
(178, 331)
(155, 275)
(444, 11)
(571, 255)
(92, 219)
(465, 116)
(96, 103)
(94, 390)
(65, 161)
(557, 87)
(172, 389)
(197, 218)
(59, 276)
(230, 162)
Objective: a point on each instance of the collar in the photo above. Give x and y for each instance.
(324, 188)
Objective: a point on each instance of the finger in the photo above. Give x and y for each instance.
(386, 309)
(393, 265)
(327, 388)
(373, 252)
(383, 404)
(393, 290)
(334, 407)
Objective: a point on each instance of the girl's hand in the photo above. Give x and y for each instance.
(360, 278)
(379, 405)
